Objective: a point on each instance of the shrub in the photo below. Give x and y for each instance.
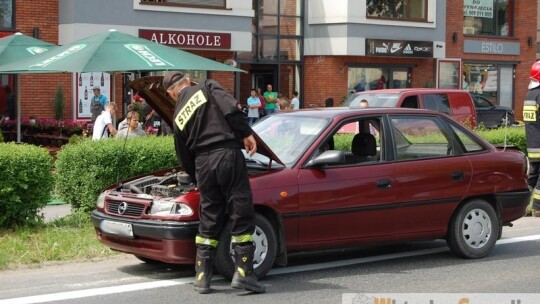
(514, 136)
(1, 138)
(59, 103)
(26, 183)
(84, 169)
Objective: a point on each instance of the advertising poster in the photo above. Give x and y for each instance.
(85, 84)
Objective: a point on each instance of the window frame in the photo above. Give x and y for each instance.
(176, 4)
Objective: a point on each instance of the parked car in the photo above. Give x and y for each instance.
(490, 115)
(402, 174)
(456, 103)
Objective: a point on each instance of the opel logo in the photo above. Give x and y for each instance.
(122, 207)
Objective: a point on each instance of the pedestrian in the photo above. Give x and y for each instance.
(11, 101)
(97, 103)
(295, 102)
(253, 104)
(103, 125)
(329, 102)
(381, 83)
(133, 128)
(270, 100)
(209, 132)
(364, 103)
(532, 134)
(262, 113)
(361, 86)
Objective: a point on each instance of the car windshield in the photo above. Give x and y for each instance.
(375, 100)
(289, 136)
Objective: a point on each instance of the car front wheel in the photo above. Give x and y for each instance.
(507, 120)
(473, 230)
(265, 241)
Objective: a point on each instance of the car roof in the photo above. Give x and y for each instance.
(407, 90)
(343, 112)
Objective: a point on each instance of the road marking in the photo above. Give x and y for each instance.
(84, 293)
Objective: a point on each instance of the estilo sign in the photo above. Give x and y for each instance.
(188, 39)
(399, 48)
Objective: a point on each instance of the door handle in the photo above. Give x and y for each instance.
(384, 183)
(457, 175)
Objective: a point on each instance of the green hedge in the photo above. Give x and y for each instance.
(85, 168)
(514, 136)
(26, 183)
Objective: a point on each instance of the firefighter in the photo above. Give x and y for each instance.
(532, 132)
(209, 133)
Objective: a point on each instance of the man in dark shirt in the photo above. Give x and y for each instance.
(209, 132)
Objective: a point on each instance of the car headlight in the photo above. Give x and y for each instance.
(170, 207)
(101, 200)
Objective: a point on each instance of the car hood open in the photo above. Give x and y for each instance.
(152, 90)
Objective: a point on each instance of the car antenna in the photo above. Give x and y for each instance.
(505, 130)
(122, 151)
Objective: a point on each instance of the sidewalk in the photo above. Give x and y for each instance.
(52, 212)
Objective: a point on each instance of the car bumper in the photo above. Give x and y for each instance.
(513, 204)
(166, 241)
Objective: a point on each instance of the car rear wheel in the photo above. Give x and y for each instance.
(473, 230)
(265, 241)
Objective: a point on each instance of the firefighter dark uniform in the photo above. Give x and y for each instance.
(532, 132)
(208, 129)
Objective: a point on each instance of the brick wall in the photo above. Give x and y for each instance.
(326, 76)
(524, 10)
(37, 91)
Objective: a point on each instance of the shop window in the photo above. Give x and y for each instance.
(6, 14)
(492, 81)
(397, 9)
(190, 3)
(488, 17)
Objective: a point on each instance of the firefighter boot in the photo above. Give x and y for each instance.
(244, 277)
(203, 269)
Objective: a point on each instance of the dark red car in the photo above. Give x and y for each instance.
(330, 178)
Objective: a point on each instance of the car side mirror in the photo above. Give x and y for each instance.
(327, 158)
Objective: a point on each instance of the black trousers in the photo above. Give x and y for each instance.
(224, 189)
(534, 183)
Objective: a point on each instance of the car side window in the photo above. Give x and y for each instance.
(469, 144)
(482, 102)
(359, 141)
(417, 137)
(437, 102)
(410, 102)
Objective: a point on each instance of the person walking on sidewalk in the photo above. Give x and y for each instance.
(209, 132)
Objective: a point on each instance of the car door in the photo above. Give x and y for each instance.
(430, 174)
(349, 201)
(487, 114)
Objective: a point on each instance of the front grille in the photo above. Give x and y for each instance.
(125, 208)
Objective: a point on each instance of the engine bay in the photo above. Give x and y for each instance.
(169, 185)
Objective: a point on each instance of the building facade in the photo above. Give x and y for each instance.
(323, 49)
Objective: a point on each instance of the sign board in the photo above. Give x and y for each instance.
(491, 47)
(399, 48)
(183, 40)
(478, 8)
(85, 83)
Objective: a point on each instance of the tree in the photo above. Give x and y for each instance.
(59, 103)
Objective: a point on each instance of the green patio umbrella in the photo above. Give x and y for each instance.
(16, 47)
(114, 51)
(19, 46)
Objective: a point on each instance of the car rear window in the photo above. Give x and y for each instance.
(375, 100)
